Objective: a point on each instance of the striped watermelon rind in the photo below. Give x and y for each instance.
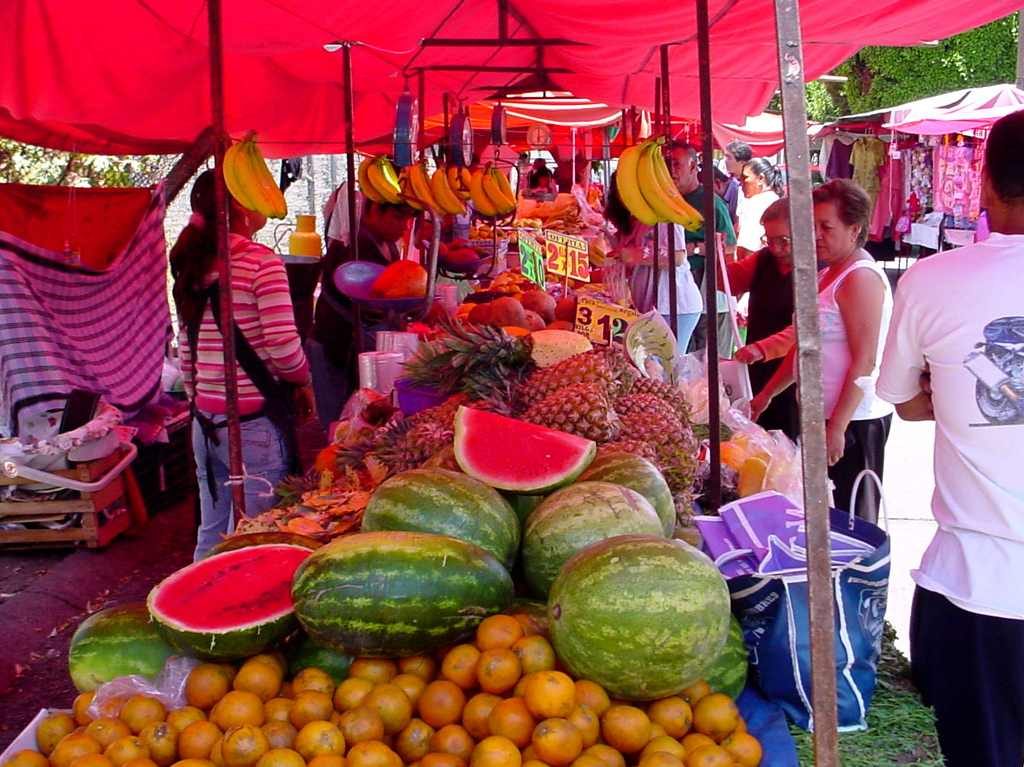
(636, 473)
(570, 519)
(114, 642)
(728, 673)
(245, 540)
(445, 503)
(394, 594)
(642, 616)
(308, 654)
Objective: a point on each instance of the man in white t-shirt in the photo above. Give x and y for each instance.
(955, 354)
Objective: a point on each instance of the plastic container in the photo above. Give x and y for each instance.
(413, 398)
(305, 240)
(405, 344)
(378, 371)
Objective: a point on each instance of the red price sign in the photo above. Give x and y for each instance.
(567, 256)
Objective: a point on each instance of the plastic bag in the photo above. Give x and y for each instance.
(168, 687)
(783, 472)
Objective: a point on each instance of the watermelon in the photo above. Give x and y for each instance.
(116, 642)
(573, 518)
(514, 455)
(230, 605)
(728, 673)
(523, 505)
(244, 540)
(636, 473)
(446, 503)
(308, 654)
(395, 594)
(642, 616)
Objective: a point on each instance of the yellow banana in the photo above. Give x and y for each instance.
(628, 185)
(273, 202)
(455, 182)
(481, 202)
(465, 178)
(685, 213)
(649, 186)
(365, 186)
(446, 198)
(234, 176)
(408, 195)
(382, 176)
(419, 187)
(501, 186)
(492, 188)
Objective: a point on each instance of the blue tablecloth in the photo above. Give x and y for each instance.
(766, 722)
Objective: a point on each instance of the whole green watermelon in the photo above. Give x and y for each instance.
(642, 616)
(446, 503)
(396, 594)
(639, 474)
(116, 642)
(728, 673)
(523, 505)
(308, 654)
(574, 517)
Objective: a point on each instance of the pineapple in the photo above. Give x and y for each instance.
(634, 446)
(650, 419)
(582, 409)
(588, 368)
(665, 392)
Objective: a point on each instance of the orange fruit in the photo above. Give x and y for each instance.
(123, 750)
(663, 743)
(273, 658)
(162, 741)
(106, 730)
(593, 696)
(147, 762)
(313, 679)
(277, 709)
(657, 730)
(393, 706)
(280, 734)
(261, 678)
(361, 724)
(92, 760)
(512, 719)
(217, 754)
(695, 692)
(519, 691)
(742, 726)
(498, 632)
(281, 757)
(413, 742)
(550, 694)
(207, 683)
(674, 714)
(716, 716)
(309, 707)
(496, 751)
(196, 741)
(557, 742)
(453, 739)
(531, 624)
(626, 728)
(351, 693)
(193, 763)
(72, 747)
(661, 759)
(182, 717)
(695, 740)
(441, 703)
(588, 724)
(608, 755)
(237, 708)
(422, 666)
(318, 738)
(535, 653)
(744, 748)
(372, 753)
(140, 711)
(584, 760)
(709, 756)
(376, 670)
(498, 671)
(412, 685)
(539, 763)
(52, 729)
(529, 754)
(243, 746)
(442, 760)
(327, 760)
(79, 709)
(460, 664)
(27, 758)
(474, 715)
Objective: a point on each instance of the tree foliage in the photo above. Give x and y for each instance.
(27, 164)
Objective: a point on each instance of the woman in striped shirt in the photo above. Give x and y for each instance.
(263, 315)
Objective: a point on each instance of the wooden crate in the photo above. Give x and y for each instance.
(94, 531)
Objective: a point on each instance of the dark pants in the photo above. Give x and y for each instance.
(970, 669)
(865, 449)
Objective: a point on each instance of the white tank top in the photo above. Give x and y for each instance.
(835, 351)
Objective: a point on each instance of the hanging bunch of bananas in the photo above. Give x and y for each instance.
(647, 189)
(424, 191)
(378, 180)
(491, 193)
(249, 181)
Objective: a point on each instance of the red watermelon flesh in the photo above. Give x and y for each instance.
(509, 454)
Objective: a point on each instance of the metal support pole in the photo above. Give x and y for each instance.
(808, 350)
(227, 318)
(421, 107)
(714, 492)
(1020, 49)
(310, 183)
(666, 111)
(656, 259)
(446, 137)
(350, 149)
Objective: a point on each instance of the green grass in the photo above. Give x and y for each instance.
(901, 731)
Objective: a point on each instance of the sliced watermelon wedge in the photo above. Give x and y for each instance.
(514, 455)
(229, 605)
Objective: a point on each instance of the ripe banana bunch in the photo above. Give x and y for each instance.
(378, 180)
(249, 181)
(445, 194)
(459, 179)
(647, 189)
(415, 184)
(491, 193)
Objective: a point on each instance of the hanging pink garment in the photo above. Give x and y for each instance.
(889, 205)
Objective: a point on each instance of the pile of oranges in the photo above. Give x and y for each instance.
(499, 702)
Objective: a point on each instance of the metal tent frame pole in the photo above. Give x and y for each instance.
(227, 319)
(808, 350)
(666, 119)
(350, 147)
(656, 259)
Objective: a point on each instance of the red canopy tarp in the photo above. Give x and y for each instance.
(131, 76)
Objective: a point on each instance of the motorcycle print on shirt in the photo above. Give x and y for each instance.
(998, 364)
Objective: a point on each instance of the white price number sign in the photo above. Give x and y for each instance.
(602, 322)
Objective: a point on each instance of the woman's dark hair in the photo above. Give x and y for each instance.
(537, 175)
(777, 211)
(195, 251)
(764, 169)
(615, 210)
(1004, 162)
(852, 204)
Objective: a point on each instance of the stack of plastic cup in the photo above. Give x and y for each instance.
(378, 370)
(405, 344)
